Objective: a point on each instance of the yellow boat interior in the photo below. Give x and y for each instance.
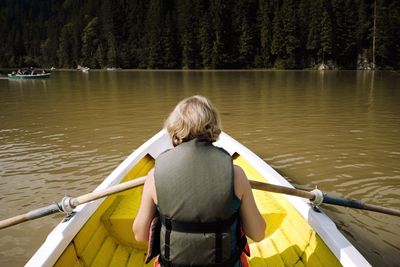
(106, 239)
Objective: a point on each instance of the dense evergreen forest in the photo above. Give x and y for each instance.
(206, 34)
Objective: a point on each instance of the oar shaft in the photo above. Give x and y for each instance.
(281, 189)
(107, 191)
(13, 221)
(34, 214)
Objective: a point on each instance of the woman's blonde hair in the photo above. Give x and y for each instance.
(193, 117)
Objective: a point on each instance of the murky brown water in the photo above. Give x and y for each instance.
(338, 130)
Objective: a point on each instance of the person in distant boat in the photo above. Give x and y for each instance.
(197, 207)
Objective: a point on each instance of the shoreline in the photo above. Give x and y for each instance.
(9, 70)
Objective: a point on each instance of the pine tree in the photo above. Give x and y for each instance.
(136, 44)
(153, 41)
(326, 37)
(65, 48)
(92, 54)
(291, 38)
(346, 37)
(108, 32)
(303, 18)
(188, 34)
(351, 37)
(265, 16)
(221, 39)
(205, 39)
(277, 47)
(169, 43)
(246, 48)
(111, 50)
(394, 16)
(245, 23)
(386, 30)
(314, 32)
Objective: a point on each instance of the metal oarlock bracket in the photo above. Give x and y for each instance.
(66, 205)
(318, 197)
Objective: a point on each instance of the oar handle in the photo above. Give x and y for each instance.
(352, 203)
(107, 191)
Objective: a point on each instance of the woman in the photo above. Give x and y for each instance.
(204, 202)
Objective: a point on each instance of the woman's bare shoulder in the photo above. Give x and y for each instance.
(240, 181)
(150, 183)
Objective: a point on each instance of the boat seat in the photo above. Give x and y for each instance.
(272, 212)
(268, 204)
(119, 216)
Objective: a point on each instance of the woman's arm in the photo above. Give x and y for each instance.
(252, 221)
(147, 210)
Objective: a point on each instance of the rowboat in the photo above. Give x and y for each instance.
(83, 69)
(29, 76)
(99, 233)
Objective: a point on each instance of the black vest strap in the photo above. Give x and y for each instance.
(228, 263)
(188, 227)
(218, 247)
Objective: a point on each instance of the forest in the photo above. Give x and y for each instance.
(206, 34)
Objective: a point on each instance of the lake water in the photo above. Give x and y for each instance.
(338, 130)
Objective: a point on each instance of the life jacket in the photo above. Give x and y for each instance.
(194, 185)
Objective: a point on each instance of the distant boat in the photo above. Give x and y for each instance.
(323, 66)
(15, 76)
(112, 69)
(83, 69)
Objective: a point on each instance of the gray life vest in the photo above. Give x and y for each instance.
(194, 185)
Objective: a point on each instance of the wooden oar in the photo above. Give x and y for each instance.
(317, 197)
(67, 204)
